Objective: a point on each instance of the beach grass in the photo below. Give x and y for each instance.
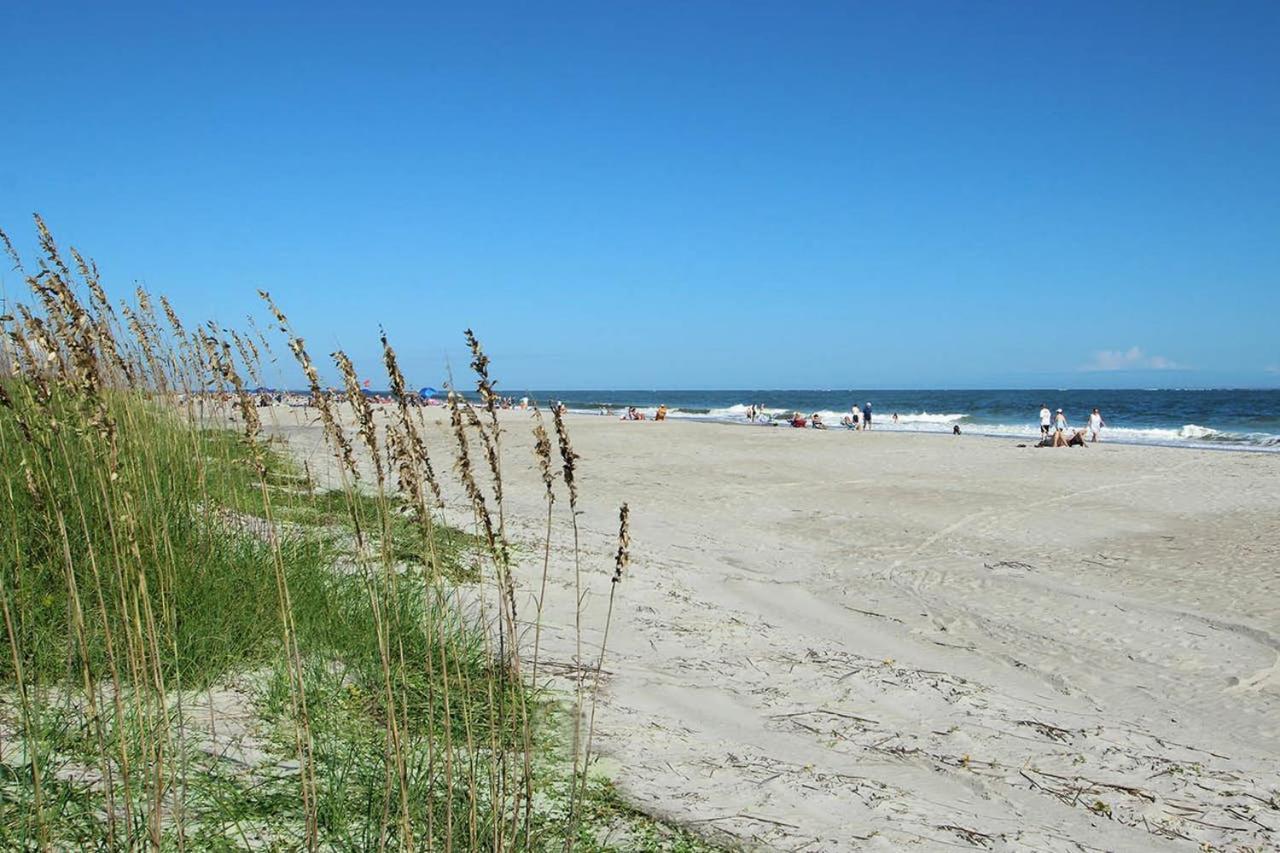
(203, 650)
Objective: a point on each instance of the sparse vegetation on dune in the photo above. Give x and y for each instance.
(203, 650)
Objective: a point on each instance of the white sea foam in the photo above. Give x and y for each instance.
(923, 418)
(740, 411)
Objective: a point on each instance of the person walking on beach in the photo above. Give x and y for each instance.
(1060, 422)
(866, 415)
(1045, 418)
(1096, 423)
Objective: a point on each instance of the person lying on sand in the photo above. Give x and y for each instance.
(1060, 439)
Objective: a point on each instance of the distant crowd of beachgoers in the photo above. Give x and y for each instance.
(1054, 428)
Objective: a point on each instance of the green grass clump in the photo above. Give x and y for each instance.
(339, 511)
(175, 521)
(103, 537)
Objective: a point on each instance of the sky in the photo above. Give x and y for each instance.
(677, 195)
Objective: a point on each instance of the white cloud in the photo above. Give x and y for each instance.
(1272, 368)
(1131, 359)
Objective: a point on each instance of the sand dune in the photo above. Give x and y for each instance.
(836, 641)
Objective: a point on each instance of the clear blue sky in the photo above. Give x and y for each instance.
(679, 195)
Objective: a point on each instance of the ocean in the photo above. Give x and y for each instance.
(1214, 419)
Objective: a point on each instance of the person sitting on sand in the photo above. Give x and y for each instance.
(817, 421)
(661, 414)
(857, 416)
(1060, 439)
(797, 420)
(847, 422)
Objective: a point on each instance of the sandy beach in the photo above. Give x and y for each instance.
(837, 641)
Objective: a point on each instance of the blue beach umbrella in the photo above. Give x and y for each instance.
(427, 392)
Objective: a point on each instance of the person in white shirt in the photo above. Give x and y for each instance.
(1045, 418)
(857, 416)
(1096, 423)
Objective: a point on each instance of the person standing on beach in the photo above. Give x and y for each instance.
(866, 415)
(857, 416)
(1060, 422)
(1045, 418)
(1096, 423)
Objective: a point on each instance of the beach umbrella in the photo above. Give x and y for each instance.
(427, 392)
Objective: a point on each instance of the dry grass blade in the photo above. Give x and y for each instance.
(416, 446)
(622, 559)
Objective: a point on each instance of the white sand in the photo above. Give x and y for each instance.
(836, 641)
